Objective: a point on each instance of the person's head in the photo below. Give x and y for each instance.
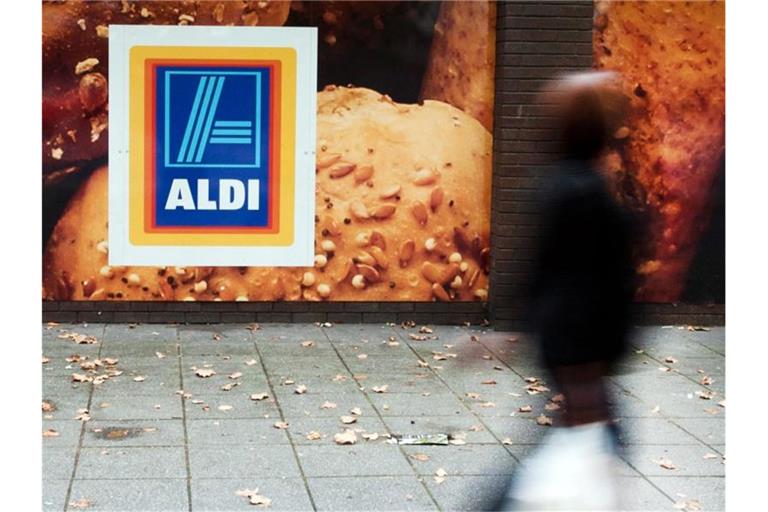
(588, 108)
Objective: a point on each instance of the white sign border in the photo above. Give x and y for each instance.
(122, 252)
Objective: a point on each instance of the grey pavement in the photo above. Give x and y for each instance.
(193, 418)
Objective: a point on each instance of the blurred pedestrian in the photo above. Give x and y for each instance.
(580, 301)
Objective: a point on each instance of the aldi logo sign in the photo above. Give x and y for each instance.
(215, 164)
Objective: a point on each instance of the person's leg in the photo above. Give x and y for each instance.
(583, 387)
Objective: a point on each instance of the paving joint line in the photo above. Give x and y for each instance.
(68, 496)
(188, 467)
(383, 422)
(282, 418)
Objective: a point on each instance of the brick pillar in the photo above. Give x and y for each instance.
(534, 42)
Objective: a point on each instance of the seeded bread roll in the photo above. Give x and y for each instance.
(462, 59)
(671, 56)
(403, 210)
(75, 67)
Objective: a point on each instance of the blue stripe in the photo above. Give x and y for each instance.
(229, 140)
(200, 119)
(231, 132)
(209, 121)
(192, 116)
(232, 124)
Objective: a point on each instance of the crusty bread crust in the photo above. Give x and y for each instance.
(463, 58)
(403, 203)
(671, 56)
(75, 37)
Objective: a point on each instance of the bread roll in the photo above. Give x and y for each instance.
(75, 64)
(463, 58)
(671, 56)
(402, 214)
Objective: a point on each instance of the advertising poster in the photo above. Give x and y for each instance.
(403, 117)
(403, 102)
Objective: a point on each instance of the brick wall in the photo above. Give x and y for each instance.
(535, 40)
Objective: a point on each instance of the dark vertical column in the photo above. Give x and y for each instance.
(534, 42)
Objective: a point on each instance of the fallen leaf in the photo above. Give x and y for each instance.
(300, 389)
(45, 360)
(139, 378)
(670, 359)
(513, 339)
(362, 356)
(440, 475)
(259, 396)
(288, 382)
(705, 380)
(204, 372)
(228, 387)
(340, 378)
(472, 395)
(421, 457)
(489, 382)
(423, 364)
(356, 411)
(314, 436)
(691, 505)
(425, 330)
(250, 362)
(705, 395)
(348, 419)
(487, 404)
(712, 410)
(258, 499)
(656, 409)
(371, 437)
(697, 328)
(78, 377)
(159, 355)
(48, 406)
(380, 389)
(476, 428)
(110, 361)
(544, 420)
(525, 408)
(81, 503)
(328, 405)
(346, 437)
(50, 433)
(282, 425)
(665, 463)
(711, 456)
(308, 343)
(457, 442)
(253, 327)
(551, 406)
(721, 403)
(506, 440)
(216, 336)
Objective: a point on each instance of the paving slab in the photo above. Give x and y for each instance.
(461, 460)
(139, 495)
(215, 495)
(688, 460)
(234, 432)
(468, 492)
(128, 462)
(709, 492)
(415, 405)
(58, 462)
(141, 433)
(466, 427)
(67, 432)
(54, 494)
(132, 406)
(328, 427)
(709, 430)
(353, 460)
(244, 461)
(385, 493)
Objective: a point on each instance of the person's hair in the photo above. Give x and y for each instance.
(588, 108)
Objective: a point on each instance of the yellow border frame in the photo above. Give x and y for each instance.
(285, 167)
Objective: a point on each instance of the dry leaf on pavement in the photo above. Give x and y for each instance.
(300, 389)
(50, 433)
(205, 372)
(356, 411)
(308, 343)
(250, 362)
(228, 387)
(314, 435)
(259, 396)
(665, 463)
(371, 437)
(525, 408)
(711, 456)
(440, 475)
(346, 437)
(328, 405)
(506, 440)
(225, 408)
(81, 503)
(421, 457)
(544, 420)
(670, 360)
(281, 425)
(139, 378)
(47, 406)
(691, 505)
(348, 419)
(487, 404)
(362, 356)
(380, 389)
(236, 375)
